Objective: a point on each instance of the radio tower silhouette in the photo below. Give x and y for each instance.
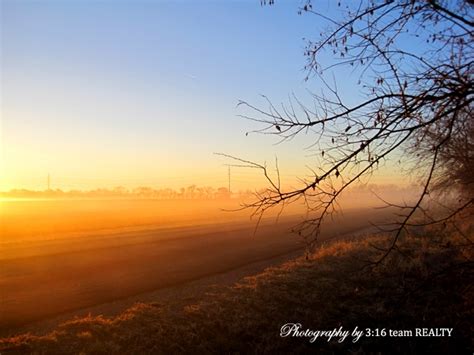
(228, 173)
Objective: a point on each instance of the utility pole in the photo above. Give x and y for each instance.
(228, 174)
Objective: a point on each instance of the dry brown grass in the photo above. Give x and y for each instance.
(421, 288)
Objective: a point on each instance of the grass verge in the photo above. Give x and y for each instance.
(428, 284)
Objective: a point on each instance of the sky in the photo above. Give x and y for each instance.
(132, 93)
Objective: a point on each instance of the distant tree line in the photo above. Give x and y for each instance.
(189, 192)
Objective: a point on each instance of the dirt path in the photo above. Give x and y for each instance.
(44, 281)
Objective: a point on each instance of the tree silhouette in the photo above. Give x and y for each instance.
(416, 107)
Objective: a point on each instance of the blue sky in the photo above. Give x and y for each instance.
(106, 93)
